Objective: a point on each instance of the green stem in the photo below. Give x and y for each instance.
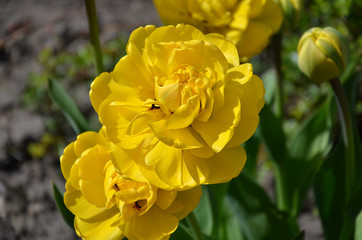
(191, 219)
(94, 34)
(277, 44)
(347, 132)
(348, 139)
(281, 189)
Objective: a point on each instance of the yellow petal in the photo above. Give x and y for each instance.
(218, 130)
(99, 229)
(180, 32)
(223, 166)
(116, 117)
(91, 167)
(172, 12)
(79, 206)
(245, 129)
(169, 165)
(226, 47)
(185, 114)
(125, 162)
(255, 38)
(132, 73)
(184, 138)
(154, 224)
(165, 198)
(189, 200)
(138, 37)
(67, 160)
(100, 89)
(271, 15)
(87, 140)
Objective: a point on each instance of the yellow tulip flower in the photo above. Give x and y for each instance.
(178, 107)
(109, 206)
(323, 54)
(247, 23)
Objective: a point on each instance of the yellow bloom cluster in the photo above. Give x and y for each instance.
(247, 23)
(175, 111)
(109, 206)
(177, 107)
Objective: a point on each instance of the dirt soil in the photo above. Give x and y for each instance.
(27, 209)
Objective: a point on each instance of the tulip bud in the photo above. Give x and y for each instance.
(323, 54)
(291, 10)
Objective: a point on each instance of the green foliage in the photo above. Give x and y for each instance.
(66, 214)
(68, 107)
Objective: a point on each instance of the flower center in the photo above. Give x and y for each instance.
(183, 83)
(131, 197)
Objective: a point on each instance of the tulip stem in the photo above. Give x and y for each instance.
(348, 139)
(94, 35)
(277, 44)
(191, 219)
(347, 132)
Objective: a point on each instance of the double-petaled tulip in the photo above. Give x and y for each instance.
(108, 206)
(178, 107)
(247, 23)
(323, 54)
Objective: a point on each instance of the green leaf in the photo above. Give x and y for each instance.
(203, 212)
(354, 206)
(300, 236)
(217, 193)
(252, 148)
(270, 84)
(257, 216)
(329, 189)
(182, 232)
(68, 107)
(66, 214)
(358, 230)
(307, 149)
(271, 131)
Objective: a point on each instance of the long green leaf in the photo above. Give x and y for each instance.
(257, 216)
(358, 230)
(307, 149)
(66, 214)
(329, 188)
(300, 236)
(204, 213)
(68, 107)
(271, 131)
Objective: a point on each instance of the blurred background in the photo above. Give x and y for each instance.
(42, 39)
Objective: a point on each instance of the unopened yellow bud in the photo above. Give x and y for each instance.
(323, 54)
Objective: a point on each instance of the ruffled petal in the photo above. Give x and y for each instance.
(271, 15)
(91, 167)
(138, 37)
(222, 167)
(101, 228)
(184, 138)
(67, 160)
(79, 206)
(188, 199)
(218, 130)
(169, 165)
(116, 117)
(226, 47)
(254, 40)
(87, 140)
(133, 75)
(154, 224)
